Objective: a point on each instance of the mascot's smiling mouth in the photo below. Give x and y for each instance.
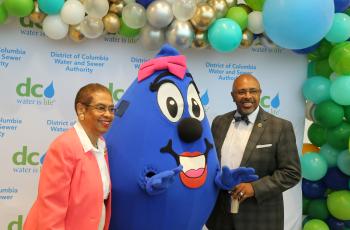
(194, 172)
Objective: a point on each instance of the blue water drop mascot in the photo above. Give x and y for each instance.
(164, 169)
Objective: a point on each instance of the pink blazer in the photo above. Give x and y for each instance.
(70, 193)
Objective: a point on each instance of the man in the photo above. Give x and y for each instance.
(251, 137)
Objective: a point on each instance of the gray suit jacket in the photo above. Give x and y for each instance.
(277, 165)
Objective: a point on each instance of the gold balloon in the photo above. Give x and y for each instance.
(247, 39)
(37, 16)
(245, 7)
(203, 17)
(200, 40)
(111, 22)
(75, 34)
(115, 1)
(231, 3)
(117, 8)
(220, 7)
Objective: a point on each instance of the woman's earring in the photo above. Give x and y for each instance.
(81, 116)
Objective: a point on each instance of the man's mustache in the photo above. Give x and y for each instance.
(248, 100)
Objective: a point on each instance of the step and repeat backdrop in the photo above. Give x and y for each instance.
(40, 77)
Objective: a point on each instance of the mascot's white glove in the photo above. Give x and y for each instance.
(227, 179)
(159, 182)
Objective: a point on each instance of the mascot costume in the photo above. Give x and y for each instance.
(164, 169)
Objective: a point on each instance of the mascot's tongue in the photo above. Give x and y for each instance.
(194, 172)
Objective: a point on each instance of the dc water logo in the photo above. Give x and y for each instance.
(117, 93)
(205, 100)
(33, 93)
(30, 29)
(271, 105)
(16, 224)
(27, 161)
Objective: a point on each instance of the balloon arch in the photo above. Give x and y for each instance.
(318, 29)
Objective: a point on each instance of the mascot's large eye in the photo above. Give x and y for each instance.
(170, 101)
(194, 103)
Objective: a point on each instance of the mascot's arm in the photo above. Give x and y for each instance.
(159, 182)
(227, 179)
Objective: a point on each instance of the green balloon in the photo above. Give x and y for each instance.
(306, 203)
(338, 137)
(339, 58)
(19, 8)
(322, 68)
(329, 114)
(311, 69)
(3, 14)
(318, 209)
(339, 204)
(343, 162)
(255, 4)
(127, 31)
(347, 113)
(322, 52)
(239, 15)
(315, 224)
(317, 134)
(305, 220)
(330, 154)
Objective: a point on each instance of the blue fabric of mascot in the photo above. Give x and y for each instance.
(164, 168)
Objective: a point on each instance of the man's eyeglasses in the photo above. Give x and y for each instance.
(252, 91)
(101, 108)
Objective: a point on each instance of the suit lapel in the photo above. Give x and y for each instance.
(255, 135)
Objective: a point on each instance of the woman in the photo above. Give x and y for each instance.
(74, 186)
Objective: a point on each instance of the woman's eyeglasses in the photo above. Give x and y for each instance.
(101, 108)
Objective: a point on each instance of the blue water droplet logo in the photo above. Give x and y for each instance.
(275, 103)
(42, 158)
(49, 91)
(205, 98)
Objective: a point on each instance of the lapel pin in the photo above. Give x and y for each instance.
(259, 125)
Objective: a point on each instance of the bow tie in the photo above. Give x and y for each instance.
(242, 118)
(174, 64)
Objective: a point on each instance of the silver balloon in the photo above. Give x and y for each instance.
(151, 38)
(159, 14)
(310, 110)
(180, 34)
(267, 42)
(91, 27)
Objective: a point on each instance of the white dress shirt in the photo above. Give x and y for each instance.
(236, 140)
(99, 153)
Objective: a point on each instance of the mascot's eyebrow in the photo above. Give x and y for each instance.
(154, 86)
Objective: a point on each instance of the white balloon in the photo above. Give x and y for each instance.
(54, 27)
(72, 12)
(255, 22)
(96, 8)
(184, 9)
(91, 27)
(134, 15)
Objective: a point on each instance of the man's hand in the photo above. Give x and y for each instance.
(243, 191)
(227, 179)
